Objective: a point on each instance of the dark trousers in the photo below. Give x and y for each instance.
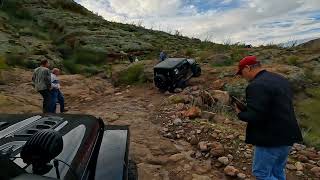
(46, 100)
(56, 97)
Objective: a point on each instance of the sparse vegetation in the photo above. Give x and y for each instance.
(16, 59)
(133, 75)
(3, 64)
(293, 60)
(309, 108)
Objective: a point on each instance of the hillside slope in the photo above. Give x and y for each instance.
(62, 29)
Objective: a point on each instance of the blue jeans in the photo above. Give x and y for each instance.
(57, 97)
(269, 163)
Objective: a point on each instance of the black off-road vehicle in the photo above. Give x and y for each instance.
(70, 147)
(174, 73)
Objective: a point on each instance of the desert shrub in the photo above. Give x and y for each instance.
(91, 70)
(65, 50)
(190, 52)
(3, 64)
(30, 29)
(293, 60)
(72, 67)
(133, 75)
(310, 119)
(31, 64)
(89, 57)
(236, 89)
(15, 59)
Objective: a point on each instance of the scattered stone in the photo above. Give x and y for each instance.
(187, 167)
(309, 166)
(291, 167)
(165, 129)
(244, 168)
(177, 122)
(178, 90)
(194, 140)
(303, 158)
(223, 160)
(176, 157)
(247, 155)
(198, 154)
(316, 171)
(217, 149)
(214, 135)
(299, 173)
(299, 147)
(208, 115)
(231, 171)
(231, 136)
(230, 157)
(198, 131)
(299, 166)
(157, 160)
(312, 162)
(218, 84)
(193, 112)
(168, 135)
(242, 138)
(241, 176)
(203, 146)
(199, 177)
(312, 155)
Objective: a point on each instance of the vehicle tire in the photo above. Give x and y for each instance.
(197, 71)
(160, 82)
(182, 84)
(132, 170)
(171, 89)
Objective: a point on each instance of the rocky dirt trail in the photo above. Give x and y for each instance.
(166, 142)
(156, 157)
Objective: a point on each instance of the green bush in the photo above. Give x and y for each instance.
(310, 119)
(293, 60)
(133, 75)
(3, 64)
(91, 70)
(65, 50)
(89, 57)
(190, 52)
(15, 60)
(72, 67)
(31, 64)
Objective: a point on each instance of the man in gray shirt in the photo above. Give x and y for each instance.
(42, 82)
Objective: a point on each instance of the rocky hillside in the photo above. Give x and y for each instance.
(80, 42)
(62, 29)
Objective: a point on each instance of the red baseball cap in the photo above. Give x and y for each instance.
(247, 61)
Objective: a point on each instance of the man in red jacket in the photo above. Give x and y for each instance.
(271, 123)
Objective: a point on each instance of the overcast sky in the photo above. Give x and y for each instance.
(249, 21)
